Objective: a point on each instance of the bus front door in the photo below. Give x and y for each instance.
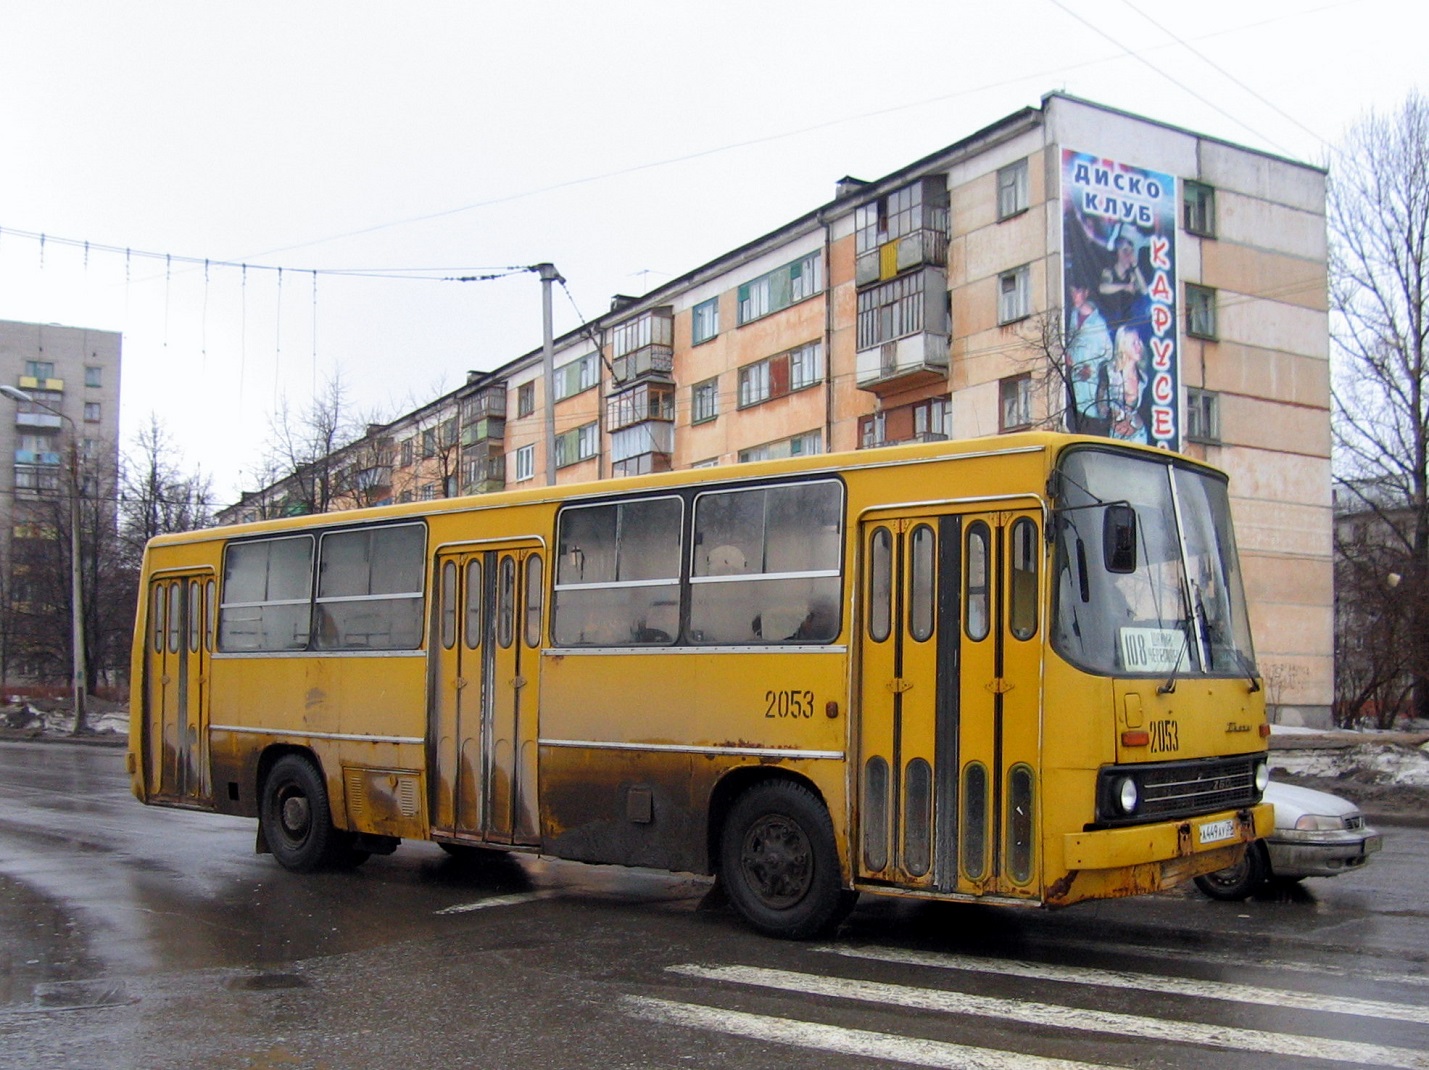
(486, 649)
(948, 725)
(176, 675)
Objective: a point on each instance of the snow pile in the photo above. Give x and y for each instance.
(1366, 763)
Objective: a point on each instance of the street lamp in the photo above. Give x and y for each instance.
(78, 679)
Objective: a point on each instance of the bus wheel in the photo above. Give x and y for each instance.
(1239, 881)
(297, 822)
(779, 863)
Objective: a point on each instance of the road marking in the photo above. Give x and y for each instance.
(499, 901)
(831, 1038)
(1057, 1016)
(1242, 961)
(1228, 991)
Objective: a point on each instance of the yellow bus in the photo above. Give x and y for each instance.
(1015, 670)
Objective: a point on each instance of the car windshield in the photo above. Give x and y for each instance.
(1179, 608)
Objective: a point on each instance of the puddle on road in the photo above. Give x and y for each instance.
(264, 982)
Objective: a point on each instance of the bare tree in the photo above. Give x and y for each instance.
(304, 452)
(156, 497)
(1379, 268)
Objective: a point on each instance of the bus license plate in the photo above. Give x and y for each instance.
(1215, 831)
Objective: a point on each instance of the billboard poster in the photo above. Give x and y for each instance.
(1119, 294)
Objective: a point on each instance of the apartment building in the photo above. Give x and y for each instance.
(71, 375)
(1068, 266)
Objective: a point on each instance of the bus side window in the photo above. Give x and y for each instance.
(975, 598)
(880, 586)
(534, 590)
(1022, 616)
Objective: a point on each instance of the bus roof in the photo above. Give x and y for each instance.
(1017, 442)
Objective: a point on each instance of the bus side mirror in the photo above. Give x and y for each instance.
(1119, 538)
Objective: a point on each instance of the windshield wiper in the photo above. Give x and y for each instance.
(1169, 687)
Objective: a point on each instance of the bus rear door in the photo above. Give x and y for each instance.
(176, 674)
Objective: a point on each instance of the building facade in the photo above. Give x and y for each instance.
(65, 440)
(1069, 266)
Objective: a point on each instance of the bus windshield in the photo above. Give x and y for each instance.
(1179, 608)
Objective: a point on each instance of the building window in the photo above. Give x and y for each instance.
(1012, 195)
(91, 412)
(429, 442)
(805, 445)
(525, 463)
(406, 452)
(754, 384)
(577, 376)
(576, 445)
(781, 374)
(704, 401)
(1015, 409)
(891, 310)
(1203, 416)
(40, 369)
(779, 289)
(526, 399)
(1200, 311)
(1014, 294)
(705, 321)
(933, 420)
(1198, 208)
(873, 431)
(93, 375)
(806, 365)
(427, 492)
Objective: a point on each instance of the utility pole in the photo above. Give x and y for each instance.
(549, 275)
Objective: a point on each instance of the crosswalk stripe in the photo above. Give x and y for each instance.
(1062, 1017)
(844, 1041)
(1228, 991)
(1326, 969)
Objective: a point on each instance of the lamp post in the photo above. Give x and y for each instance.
(78, 678)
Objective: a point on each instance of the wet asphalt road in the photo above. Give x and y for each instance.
(148, 938)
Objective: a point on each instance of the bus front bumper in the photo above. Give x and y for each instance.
(1110, 863)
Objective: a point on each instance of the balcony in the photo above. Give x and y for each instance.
(36, 457)
(644, 346)
(922, 248)
(653, 361)
(30, 383)
(484, 429)
(38, 421)
(902, 362)
(484, 475)
(491, 402)
(646, 401)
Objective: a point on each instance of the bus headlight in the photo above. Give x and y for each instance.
(1262, 776)
(1127, 795)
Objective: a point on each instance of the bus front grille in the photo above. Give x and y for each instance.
(1174, 790)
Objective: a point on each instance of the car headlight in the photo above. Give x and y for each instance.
(1318, 823)
(1262, 776)
(1127, 795)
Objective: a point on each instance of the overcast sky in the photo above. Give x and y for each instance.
(626, 142)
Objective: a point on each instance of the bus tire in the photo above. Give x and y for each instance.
(1238, 882)
(296, 817)
(779, 864)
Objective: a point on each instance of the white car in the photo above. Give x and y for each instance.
(1316, 835)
